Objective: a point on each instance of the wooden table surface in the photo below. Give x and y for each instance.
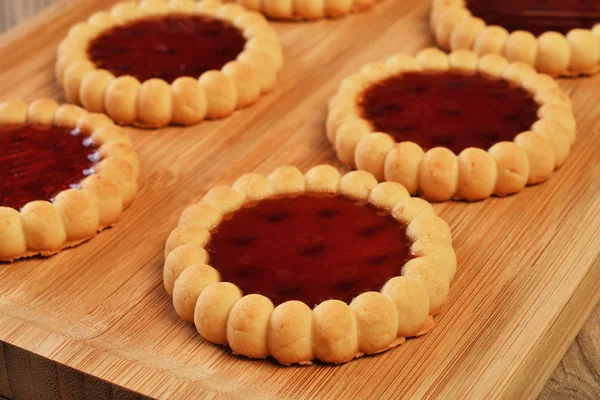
(578, 374)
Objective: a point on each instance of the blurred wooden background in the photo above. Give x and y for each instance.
(577, 376)
(14, 11)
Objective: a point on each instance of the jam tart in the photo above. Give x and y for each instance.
(455, 126)
(314, 266)
(557, 37)
(65, 174)
(155, 63)
(306, 9)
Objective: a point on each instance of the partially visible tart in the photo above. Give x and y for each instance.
(65, 174)
(159, 62)
(306, 9)
(315, 266)
(452, 126)
(557, 37)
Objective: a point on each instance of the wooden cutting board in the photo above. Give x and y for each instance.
(529, 265)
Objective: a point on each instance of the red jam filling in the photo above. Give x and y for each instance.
(167, 47)
(38, 162)
(448, 110)
(537, 16)
(309, 248)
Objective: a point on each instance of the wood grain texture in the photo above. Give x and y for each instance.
(30, 376)
(13, 12)
(577, 377)
(529, 265)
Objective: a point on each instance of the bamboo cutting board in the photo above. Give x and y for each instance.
(529, 265)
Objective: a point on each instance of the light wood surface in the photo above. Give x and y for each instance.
(529, 265)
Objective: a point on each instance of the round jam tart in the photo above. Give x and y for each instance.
(315, 266)
(162, 62)
(65, 174)
(557, 37)
(306, 9)
(452, 126)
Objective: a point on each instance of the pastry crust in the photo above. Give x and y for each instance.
(438, 174)
(74, 215)
(186, 101)
(576, 53)
(303, 10)
(291, 332)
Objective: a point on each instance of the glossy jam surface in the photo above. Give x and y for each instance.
(309, 248)
(167, 47)
(537, 16)
(448, 110)
(38, 162)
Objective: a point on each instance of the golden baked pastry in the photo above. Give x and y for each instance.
(557, 37)
(452, 126)
(162, 62)
(306, 9)
(65, 174)
(315, 266)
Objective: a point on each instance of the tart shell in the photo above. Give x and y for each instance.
(552, 53)
(438, 174)
(306, 9)
(75, 215)
(292, 333)
(186, 101)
